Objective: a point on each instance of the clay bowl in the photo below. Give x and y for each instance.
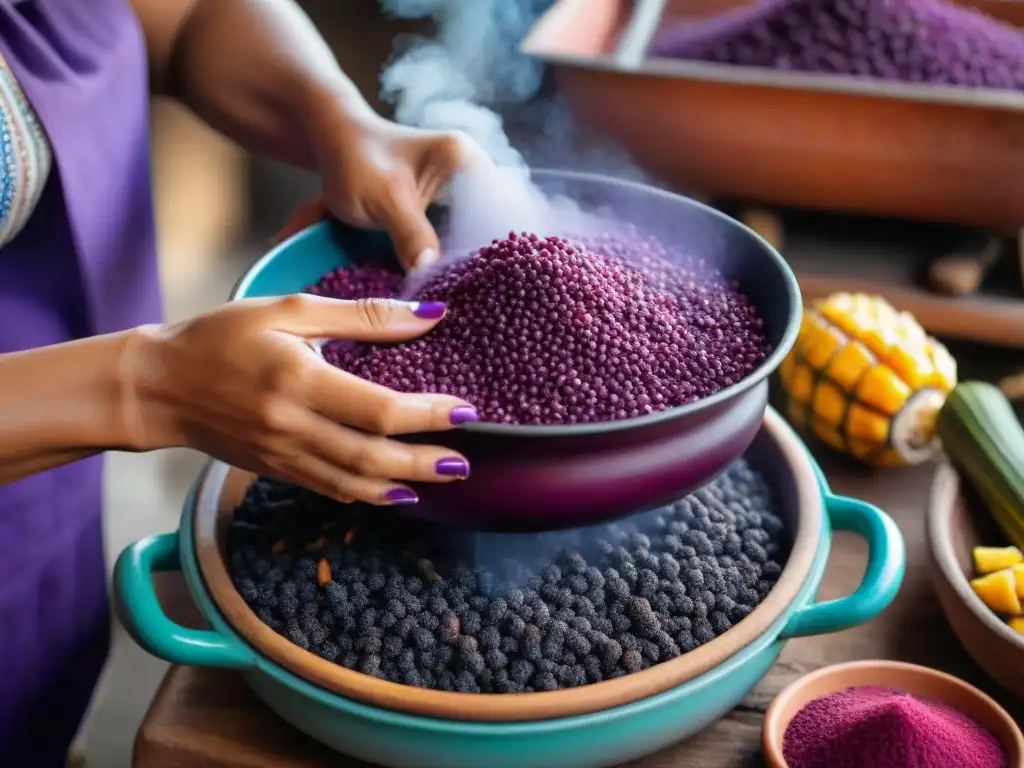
(911, 678)
(563, 476)
(820, 142)
(597, 725)
(956, 524)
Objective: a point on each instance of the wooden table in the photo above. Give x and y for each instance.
(210, 719)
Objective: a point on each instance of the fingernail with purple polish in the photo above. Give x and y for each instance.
(401, 496)
(429, 310)
(453, 466)
(463, 414)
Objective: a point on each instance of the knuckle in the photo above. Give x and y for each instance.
(274, 415)
(454, 147)
(283, 379)
(387, 420)
(340, 489)
(293, 305)
(375, 314)
(369, 462)
(459, 149)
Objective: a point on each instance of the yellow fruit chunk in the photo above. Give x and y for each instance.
(882, 389)
(992, 559)
(1017, 624)
(945, 367)
(822, 345)
(911, 364)
(829, 403)
(866, 424)
(998, 591)
(1018, 578)
(849, 364)
(801, 385)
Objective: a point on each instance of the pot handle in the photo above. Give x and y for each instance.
(140, 612)
(887, 562)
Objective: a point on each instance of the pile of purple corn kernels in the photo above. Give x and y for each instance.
(547, 331)
(917, 41)
(440, 608)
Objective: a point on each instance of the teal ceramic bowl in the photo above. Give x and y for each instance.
(566, 475)
(607, 737)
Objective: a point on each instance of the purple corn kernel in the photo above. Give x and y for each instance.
(915, 41)
(544, 331)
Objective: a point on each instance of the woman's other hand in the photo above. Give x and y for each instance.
(378, 174)
(244, 384)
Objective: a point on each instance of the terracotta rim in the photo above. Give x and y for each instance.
(222, 488)
(944, 497)
(911, 678)
(544, 39)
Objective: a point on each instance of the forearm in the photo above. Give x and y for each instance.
(259, 72)
(62, 403)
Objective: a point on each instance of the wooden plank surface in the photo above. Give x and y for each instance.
(210, 719)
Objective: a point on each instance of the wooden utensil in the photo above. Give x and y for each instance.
(961, 274)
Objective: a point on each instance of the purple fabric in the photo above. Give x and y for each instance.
(84, 264)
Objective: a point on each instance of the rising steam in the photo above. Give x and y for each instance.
(471, 66)
(465, 78)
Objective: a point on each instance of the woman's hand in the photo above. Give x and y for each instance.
(378, 174)
(244, 384)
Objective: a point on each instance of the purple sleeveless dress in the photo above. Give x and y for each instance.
(84, 264)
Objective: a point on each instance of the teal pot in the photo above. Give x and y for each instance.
(551, 476)
(392, 725)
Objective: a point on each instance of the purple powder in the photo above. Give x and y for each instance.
(541, 331)
(885, 728)
(918, 41)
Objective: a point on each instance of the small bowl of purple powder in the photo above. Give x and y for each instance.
(888, 714)
(614, 371)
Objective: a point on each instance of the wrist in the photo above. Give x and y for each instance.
(146, 415)
(333, 115)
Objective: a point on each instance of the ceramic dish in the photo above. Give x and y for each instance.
(598, 725)
(955, 526)
(821, 141)
(922, 681)
(555, 476)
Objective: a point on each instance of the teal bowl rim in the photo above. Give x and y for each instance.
(222, 647)
(756, 377)
(197, 587)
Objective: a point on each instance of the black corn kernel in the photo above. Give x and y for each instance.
(417, 604)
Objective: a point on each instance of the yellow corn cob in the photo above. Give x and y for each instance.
(867, 380)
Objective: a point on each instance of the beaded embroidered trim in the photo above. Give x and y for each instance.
(25, 157)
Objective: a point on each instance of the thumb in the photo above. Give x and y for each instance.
(369, 320)
(411, 232)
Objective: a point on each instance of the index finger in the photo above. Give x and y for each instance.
(347, 399)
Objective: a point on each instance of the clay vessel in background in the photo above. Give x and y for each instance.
(930, 153)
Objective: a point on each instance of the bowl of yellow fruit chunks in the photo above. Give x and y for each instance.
(979, 579)
(975, 529)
